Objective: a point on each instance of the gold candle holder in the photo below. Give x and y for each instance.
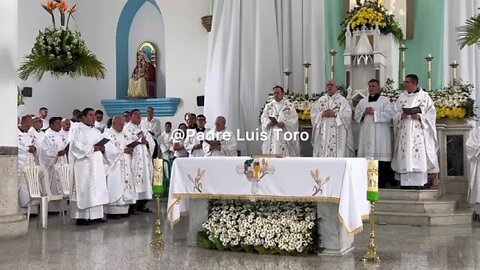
(286, 80)
(332, 64)
(157, 242)
(429, 59)
(403, 48)
(371, 254)
(305, 71)
(454, 66)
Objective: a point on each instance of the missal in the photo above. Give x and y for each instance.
(103, 142)
(133, 144)
(410, 111)
(214, 142)
(274, 120)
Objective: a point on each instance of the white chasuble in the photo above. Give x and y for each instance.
(90, 187)
(25, 140)
(332, 136)
(121, 190)
(194, 140)
(141, 164)
(415, 146)
(375, 137)
(52, 143)
(277, 142)
(165, 143)
(228, 143)
(473, 154)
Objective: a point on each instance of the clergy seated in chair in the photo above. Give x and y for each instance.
(279, 117)
(473, 154)
(331, 125)
(374, 114)
(414, 149)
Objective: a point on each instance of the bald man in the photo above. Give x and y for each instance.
(220, 141)
(331, 125)
(120, 186)
(26, 151)
(65, 132)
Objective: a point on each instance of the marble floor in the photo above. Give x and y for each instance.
(124, 244)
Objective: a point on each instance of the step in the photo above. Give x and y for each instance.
(444, 205)
(424, 219)
(457, 186)
(408, 194)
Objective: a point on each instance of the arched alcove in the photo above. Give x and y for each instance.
(135, 14)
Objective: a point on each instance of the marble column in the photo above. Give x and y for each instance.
(11, 222)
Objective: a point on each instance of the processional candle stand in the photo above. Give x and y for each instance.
(402, 48)
(286, 80)
(429, 59)
(332, 64)
(306, 65)
(372, 196)
(157, 189)
(454, 66)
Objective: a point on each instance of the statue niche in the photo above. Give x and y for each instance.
(143, 82)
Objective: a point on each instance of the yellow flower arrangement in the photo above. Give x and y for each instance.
(304, 115)
(369, 14)
(453, 112)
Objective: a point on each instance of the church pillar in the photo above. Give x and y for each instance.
(11, 222)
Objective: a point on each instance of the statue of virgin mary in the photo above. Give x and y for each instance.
(142, 83)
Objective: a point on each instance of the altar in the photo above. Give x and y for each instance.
(337, 186)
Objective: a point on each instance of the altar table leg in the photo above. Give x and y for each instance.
(334, 237)
(197, 215)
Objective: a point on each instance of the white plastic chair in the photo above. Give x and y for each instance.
(63, 173)
(37, 178)
(33, 174)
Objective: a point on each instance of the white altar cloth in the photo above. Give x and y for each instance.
(337, 180)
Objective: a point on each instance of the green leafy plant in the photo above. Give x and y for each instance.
(60, 51)
(469, 34)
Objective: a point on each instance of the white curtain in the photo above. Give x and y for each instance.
(251, 44)
(456, 13)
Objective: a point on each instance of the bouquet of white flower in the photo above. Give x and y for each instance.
(262, 226)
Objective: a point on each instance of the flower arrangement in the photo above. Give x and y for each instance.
(286, 228)
(369, 14)
(453, 101)
(59, 50)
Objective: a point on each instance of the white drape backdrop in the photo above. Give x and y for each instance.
(251, 44)
(456, 13)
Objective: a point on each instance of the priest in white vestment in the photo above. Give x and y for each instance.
(179, 140)
(89, 189)
(415, 146)
(142, 164)
(278, 118)
(26, 151)
(473, 154)
(53, 150)
(165, 141)
(38, 133)
(154, 127)
(65, 128)
(121, 191)
(331, 118)
(222, 141)
(194, 143)
(374, 114)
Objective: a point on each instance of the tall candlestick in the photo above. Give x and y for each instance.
(403, 48)
(454, 66)
(305, 75)
(332, 64)
(286, 80)
(429, 59)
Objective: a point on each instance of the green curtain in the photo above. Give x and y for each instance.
(334, 15)
(427, 39)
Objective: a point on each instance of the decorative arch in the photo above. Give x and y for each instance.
(122, 36)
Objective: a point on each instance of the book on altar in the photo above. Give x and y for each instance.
(410, 111)
(274, 120)
(133, 144)
(103, 142)
(213, 142)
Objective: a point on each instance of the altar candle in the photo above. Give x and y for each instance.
(157, 176)
(372, 189)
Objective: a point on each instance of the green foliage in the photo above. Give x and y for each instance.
(469, 34)
(60, 52)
